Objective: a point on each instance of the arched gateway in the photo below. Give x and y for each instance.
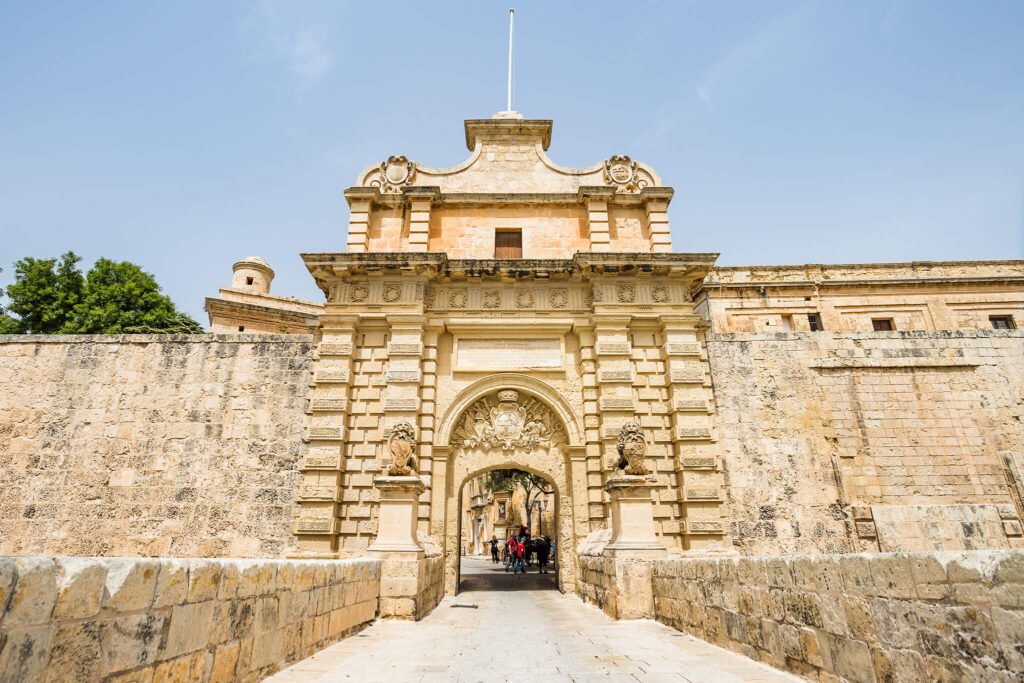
(510, 421)
(504, 313)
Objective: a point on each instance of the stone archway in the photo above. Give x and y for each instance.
(510, 422)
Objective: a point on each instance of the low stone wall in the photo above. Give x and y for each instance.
(86, 619)
(924, 616)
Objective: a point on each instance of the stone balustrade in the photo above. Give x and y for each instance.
(921, 616)
(84, 619)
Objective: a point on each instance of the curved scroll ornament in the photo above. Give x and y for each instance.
(622, 172)
(401, 443)
(632, 447)
(509, 423)
(395, 173)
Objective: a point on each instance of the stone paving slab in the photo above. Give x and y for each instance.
(522, 635)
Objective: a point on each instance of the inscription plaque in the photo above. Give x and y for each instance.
(509, 353)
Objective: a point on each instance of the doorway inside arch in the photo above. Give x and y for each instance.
(501, 510)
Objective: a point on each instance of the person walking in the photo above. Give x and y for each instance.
(494, 549)
(543, 548)
(520, 556)
(510, 548)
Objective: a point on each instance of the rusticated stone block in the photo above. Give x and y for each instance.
(80, 590)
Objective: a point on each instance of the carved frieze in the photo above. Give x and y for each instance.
(358, 293)
(392, 293)
(558, 298)
(704, 526)
(321, 461)
(329, 404)
(695, 405)
(316, 525)
(331, 377)
(402, 376)
(334, 349)
(492, 298)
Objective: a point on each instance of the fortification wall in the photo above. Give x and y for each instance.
(87, 619)
(928, 616)
(844, 441)
(151, 445)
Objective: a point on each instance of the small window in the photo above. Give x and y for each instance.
(882, 324)
(787, 323)
(241, 328)
(248, 280)
(508, 244)
(814, 322)
(1002, 322)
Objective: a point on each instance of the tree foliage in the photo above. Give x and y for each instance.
(507, 480)
(52, 297)
(44, 293)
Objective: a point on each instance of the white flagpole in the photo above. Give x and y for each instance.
(511, 20)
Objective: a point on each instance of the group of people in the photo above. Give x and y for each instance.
(519, 551)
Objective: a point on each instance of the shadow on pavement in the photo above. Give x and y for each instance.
(480, 574)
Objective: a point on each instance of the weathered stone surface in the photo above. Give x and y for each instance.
(895, 617)
(81, 587)
(23, 652)
(130, 584)
(149, 628)
(133, 640)
(35, 591)
(76, 652)
(163, 430)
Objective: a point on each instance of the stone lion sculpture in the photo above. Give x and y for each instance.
(632, 447)
(401, 443)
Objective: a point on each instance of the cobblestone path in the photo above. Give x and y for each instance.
(502, 627)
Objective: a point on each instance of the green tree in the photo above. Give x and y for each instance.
(122, 298)
(507, 480)
(44, 294)
(50, 296)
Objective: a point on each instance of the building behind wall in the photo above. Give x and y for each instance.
(518, 313)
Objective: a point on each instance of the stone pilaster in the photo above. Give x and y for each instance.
(597, 200)
(593, 456)
(420, 199)
(691, 407)
(656, 201)
(360, 201)
(317, 525)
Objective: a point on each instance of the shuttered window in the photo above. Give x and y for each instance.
(882, 325)
(508, 244)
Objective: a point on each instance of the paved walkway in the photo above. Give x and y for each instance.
(502, 627)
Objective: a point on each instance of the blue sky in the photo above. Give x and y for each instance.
(183, 136)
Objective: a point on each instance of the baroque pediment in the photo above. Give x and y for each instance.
(509, 156)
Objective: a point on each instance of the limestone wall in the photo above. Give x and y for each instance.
(86, 619)
(846, 441)
(151, 445)
(929, 616)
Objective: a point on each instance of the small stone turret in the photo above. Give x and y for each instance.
(254, 274)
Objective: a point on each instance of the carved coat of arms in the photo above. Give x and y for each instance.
(509, 424)
(395, 173)
(622, 172)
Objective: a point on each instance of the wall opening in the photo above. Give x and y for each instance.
(502, 505)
